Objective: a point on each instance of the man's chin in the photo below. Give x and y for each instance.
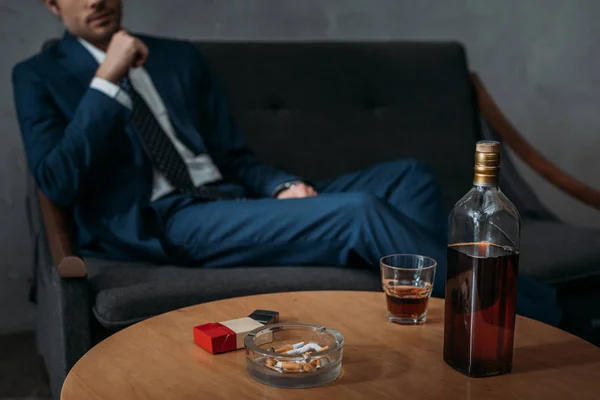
(103, 34)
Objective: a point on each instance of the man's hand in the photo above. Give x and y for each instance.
(124, 52)
(298, 191)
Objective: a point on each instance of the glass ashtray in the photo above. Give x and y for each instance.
(294, 355)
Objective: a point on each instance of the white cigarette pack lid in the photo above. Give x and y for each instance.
(241, 327)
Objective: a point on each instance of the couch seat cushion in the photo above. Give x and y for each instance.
(554, 252)
(126, 293)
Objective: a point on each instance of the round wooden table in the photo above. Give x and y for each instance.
(157, 358)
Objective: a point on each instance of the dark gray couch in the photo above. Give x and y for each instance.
(317, 110)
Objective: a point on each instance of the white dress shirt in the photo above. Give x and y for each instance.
(202, 169)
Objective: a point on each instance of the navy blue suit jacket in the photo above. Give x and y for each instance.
(84, 154)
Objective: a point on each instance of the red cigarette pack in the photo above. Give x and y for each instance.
(221, 337)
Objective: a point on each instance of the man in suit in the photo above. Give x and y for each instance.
(135, 136)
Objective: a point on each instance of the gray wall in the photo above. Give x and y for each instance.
(539, 58)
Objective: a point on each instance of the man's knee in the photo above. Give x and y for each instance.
(418, 168)
(361, 201)
(364, 211)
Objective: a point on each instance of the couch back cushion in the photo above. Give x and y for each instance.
(323, 109)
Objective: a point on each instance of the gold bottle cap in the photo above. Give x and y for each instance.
(487, 146)
(487, 162)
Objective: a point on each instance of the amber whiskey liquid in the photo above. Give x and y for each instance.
(407, 303)
(481, 294)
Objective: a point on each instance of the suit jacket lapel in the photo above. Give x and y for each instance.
(76, 59)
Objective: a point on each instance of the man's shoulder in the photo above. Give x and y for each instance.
(40, 62)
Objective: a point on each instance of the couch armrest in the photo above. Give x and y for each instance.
(63, 318)
(59, 231)
(509, 134)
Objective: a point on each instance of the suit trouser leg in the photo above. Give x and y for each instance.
(328, 229)
(365, 220)
(407, 185)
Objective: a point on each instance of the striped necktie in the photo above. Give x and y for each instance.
(160, 149)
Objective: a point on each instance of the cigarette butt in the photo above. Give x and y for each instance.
(289, 347)
(290, 365)
(308, 353)
(316, 363)
(322, 349)
(307, 367)
(314, 346)
(273, 368)
(284, 349)
(291, 371)
(270, 362)
(299, 348)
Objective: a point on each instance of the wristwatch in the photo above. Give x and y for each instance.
(284, 186)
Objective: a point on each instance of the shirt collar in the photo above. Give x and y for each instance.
(98, 54)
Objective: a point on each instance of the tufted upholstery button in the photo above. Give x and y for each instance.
(275, 103)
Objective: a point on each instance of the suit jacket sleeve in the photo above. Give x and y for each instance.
(65, 157)
(224, 141)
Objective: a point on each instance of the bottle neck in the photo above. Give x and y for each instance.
(486, 187)
(487, 169)
(486, 180)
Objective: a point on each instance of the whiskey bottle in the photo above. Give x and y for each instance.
(482, 273)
